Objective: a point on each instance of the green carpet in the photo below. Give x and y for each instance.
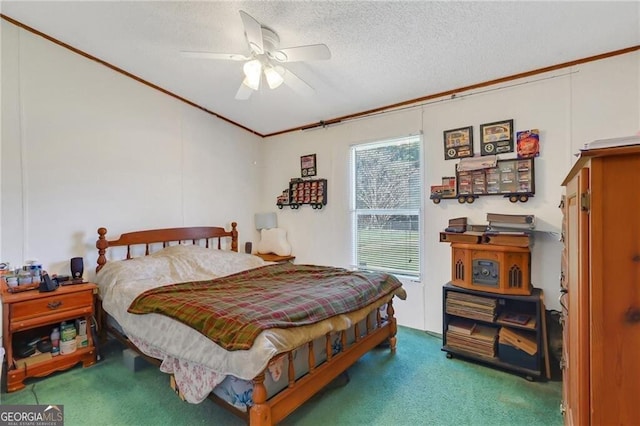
(416, 386)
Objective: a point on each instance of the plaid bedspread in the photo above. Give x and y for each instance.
(233, 310)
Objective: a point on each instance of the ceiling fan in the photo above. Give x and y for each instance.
(265, 58)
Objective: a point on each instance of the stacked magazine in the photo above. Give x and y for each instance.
(479, 339)
(471, 306)
(463, 333)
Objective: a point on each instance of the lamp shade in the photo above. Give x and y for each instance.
(253, 72)
(265, 220)
(274, 79)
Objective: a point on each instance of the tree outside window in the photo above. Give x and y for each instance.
(387, 197)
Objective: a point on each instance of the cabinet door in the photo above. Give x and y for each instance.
(615, 289)
(576, 303)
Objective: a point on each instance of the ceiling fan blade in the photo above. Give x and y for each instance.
(243, 93)
(295, 82)
(313, 52)
(253, 32)
(212, 55)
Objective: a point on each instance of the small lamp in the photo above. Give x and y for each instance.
(253, 72)
(265, 221)
(274, 78)
(272, 238)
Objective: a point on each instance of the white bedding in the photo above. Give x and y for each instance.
(179, 346)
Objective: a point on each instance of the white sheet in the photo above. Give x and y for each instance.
(120, 282)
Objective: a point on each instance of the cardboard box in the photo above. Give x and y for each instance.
(133, 360)
(82, 341)
(33, 359)
(174, 386)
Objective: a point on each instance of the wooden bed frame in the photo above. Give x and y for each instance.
(264, 411)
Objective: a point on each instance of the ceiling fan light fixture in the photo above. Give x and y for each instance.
(274, 79)
(280, 56)
(252, 71)
(265, 57)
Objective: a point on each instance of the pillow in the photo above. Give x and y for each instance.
(274, 240)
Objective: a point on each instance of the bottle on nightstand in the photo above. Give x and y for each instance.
(55, 342)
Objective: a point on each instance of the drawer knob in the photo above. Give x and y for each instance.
(54, 305)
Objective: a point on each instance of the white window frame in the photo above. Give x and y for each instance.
(354, 213)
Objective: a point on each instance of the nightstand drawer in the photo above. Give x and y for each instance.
(53, 305)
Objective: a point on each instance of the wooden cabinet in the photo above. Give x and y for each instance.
(31, 314)
(508, 331)
(600, 288)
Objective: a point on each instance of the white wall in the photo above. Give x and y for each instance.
(570, 107)
(83, 147)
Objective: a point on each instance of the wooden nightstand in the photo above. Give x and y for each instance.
(32, 314)
(271, 257)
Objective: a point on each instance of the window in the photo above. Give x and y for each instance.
(386, 205)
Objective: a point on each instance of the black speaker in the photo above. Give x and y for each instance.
(247, 247)
(77, 268)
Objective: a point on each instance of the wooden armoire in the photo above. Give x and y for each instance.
(600, 288)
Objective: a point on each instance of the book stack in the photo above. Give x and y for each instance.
(518, 339)
(471, 306)
(507, 238)
(480, 341)
(462, 237)
(458, 224)
(461, 326)
(511, 221)
(509, 229)
(610, 143)
(520, 319)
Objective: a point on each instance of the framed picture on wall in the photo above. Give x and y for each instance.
(458, 143)
(308, 165)
(496, 138)
(528, 143)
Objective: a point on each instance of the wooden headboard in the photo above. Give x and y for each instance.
(164, 236)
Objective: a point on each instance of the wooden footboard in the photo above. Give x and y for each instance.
(271, 411)
(268, 412)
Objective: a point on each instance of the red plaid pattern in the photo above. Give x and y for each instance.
(233, 310)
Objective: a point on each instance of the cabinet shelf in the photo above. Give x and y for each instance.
(51, 363)
(531, 325)
(300, 192)
(519, 348)
(492, 361)
(15, 376)
(513, 179)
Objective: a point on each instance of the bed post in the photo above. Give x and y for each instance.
(102, 244)
(260, 412)
(234, 236)
(393, 326)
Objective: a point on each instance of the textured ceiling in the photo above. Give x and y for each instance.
(382, 52)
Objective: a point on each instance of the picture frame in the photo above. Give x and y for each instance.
(458, 143)
(496, 137)
(308, 165)
(528, 143)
